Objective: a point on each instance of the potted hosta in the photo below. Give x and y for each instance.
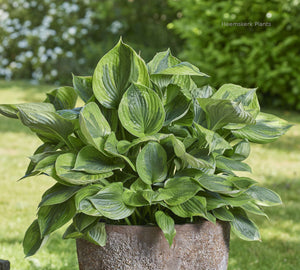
(148, 154)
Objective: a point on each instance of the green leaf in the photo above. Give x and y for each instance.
(179, 151)
(176, 105)
(109, 202)
(242, 182)
(50, 125)
(212, 139)
(243, 227)
(97, 234)
(11, 110)
(221, 112)
(254, 209)
(134, 198)
(90, 160)
(167, 225)
(151, 163)
(62, 98)
(82, 221)
(236, 201)
(141, 111)
(64, 168)
(164, 63)
(228, 164)
(68, 114)
(83, 86)
(47, 164)
(268, 128)
(187, 119)
(52, 217)
(124, 146)
(114, 73)
(240, 151)
(264, 196)
(180, 189)
(93, 125)
(86, 192)
(156, 196)
(72, 233)
(215, 183)
(41, 149)
(237, 93)
(58, 194)
(223, 214)
(33, 240)
(138, 184)
(110, 147)
(195, 206)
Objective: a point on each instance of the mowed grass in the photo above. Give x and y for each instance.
(276, 166)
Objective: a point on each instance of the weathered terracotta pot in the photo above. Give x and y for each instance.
(196, 246)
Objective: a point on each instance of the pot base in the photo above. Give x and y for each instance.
(201, 246)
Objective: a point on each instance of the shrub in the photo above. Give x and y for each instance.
(148, 147)
(47, 40)
(258, 56)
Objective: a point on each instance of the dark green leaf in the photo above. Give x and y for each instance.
(111, 148)
(71, 233)
(83, 86)
(254, 209)
(164, 63)
(237, 93)
(264, 196)
(195, 206)
(141, 111)
(82, 221)
(33, 239)
(134, 198)
(221, 112)
(212, 139)
(109, 202)
(90, 160)
(242, 182)
(166, 223)
(176, 105)
(48, 124)
(62, 98)
(11, 110)
(151, 163)
(114, 73)
(215, 183)
(58, 194)
(243, 227)
(64, 168)
(52, 217)
(97, 234)
(223, 214)
(93, 125)
(180, 189)
(228, 164)
(268, 128)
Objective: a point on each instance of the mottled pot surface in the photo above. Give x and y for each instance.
(196, 246)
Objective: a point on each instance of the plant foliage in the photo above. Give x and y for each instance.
(244, 42)
(148, 147)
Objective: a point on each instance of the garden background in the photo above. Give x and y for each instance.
(42, 42)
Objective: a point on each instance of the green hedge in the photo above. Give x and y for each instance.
(46, 40)
(265, 56)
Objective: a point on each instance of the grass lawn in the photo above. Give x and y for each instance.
(275, 166)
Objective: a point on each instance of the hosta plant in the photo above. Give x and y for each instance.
(148, 147)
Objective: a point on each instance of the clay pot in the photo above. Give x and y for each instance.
(195, 246)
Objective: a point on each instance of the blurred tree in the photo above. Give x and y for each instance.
(264, 54)
(46, 40)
